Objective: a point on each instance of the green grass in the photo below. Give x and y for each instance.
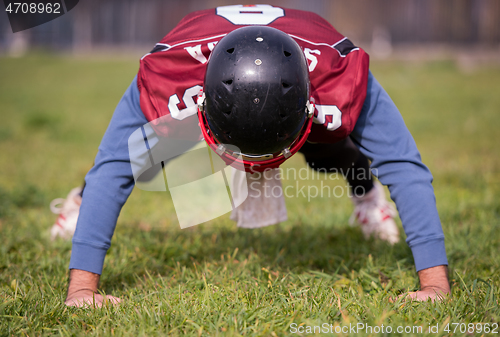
(215, 279)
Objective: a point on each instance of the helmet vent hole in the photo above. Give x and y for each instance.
(287, 53)
(227, 113)
(286, 85)
(228, 82)
(230, 50)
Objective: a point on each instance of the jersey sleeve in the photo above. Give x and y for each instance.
(339, 77)
(171, 75)
(338, 71)
(169, 82)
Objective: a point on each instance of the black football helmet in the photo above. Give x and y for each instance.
(256, 97)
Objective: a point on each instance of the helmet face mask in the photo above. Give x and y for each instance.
(256, 94)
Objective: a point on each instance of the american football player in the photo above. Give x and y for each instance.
(273, 82)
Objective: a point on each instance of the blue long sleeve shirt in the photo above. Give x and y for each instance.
(380, 133)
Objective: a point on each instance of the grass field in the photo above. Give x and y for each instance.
(215, 279)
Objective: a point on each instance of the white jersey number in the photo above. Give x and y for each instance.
(191, 106)
(329, 110)
(250, 14)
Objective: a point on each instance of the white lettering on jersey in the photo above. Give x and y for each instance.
(196, 53)
(329, 110)
(191, 106)
(250, 15)
(211, 45)
(309, 55)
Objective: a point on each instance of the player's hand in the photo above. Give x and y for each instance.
(434, 285)
(432, 293)
(88, 298)
(82, 291)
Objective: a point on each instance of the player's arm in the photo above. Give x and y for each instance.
(108, 185)
(383, 137)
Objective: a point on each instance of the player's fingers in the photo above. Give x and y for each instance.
(107, 300)
(80, 302)
(410, 296)
(406, 296)
(423, 295)
(94, 301)
(112, 300)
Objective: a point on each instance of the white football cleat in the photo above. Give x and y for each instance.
(375, 215)
(68, 210)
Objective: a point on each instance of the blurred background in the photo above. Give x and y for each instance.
(385, 28)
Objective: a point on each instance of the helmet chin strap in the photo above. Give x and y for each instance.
(254, 163)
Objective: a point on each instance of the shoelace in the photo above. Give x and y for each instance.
(56, 205)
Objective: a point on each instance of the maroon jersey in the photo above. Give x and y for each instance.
(172, 74)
